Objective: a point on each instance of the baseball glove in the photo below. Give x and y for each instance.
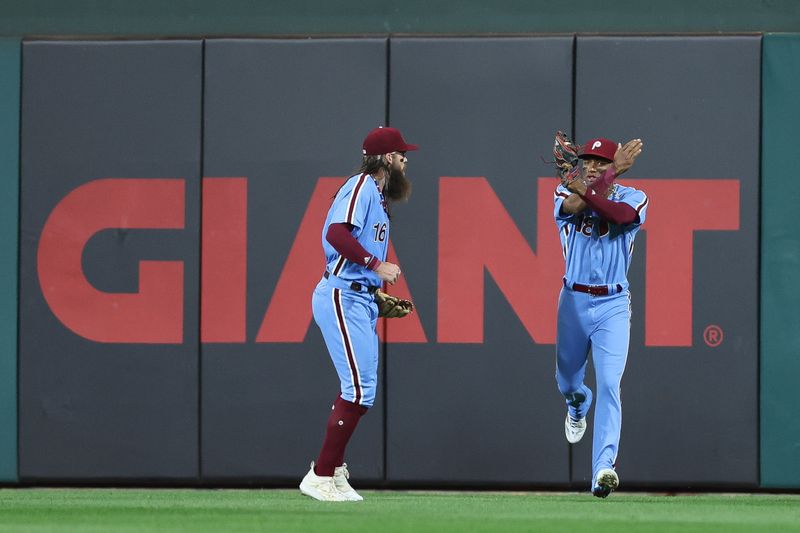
(392, 307)
(566, 155)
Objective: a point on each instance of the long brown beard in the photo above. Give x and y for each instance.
(398, 187)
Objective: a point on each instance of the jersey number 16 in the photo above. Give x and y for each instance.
(380, 232)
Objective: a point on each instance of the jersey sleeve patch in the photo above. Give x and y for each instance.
(639, 201)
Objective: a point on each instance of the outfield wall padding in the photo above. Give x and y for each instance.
(690, 412)
(288, 117)
(220, 376)
(111, 168)
(463, 406)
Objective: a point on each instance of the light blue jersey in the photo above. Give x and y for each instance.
(594, 314)
(359, 202)
(597, 252)
(347, 316)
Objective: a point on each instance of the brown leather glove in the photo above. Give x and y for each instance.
(392, 307)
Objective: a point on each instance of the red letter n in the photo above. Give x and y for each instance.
(477, 233)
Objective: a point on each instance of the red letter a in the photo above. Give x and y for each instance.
(409, 328)
(289, 313)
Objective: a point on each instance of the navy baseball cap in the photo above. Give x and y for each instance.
(385, 141)
(599, 147)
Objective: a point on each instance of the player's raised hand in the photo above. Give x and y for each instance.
(626, 154)
(388, 272)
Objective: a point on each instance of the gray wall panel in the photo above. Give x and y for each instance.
(690, 412)
(91, 111)
(487, 411)
(283, 113)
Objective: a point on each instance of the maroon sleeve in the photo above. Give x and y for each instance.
(614, 212)
(340, 237)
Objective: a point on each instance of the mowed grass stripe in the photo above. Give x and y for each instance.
(129, 510)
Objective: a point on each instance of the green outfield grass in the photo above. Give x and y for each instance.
(112, 510)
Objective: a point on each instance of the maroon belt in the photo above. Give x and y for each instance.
(594, 290)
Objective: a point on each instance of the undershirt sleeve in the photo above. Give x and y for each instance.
(614, 212)
(340, 237)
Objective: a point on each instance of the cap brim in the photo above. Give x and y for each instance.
(592, 154)
(410, 148)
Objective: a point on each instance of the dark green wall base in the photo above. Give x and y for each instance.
(780, 264)
(9, 229)
(301, 17)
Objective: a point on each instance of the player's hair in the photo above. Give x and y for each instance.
(371, 164)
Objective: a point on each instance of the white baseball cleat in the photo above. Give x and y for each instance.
(320, 488)
(574, 429)
(340, 477)
(606, 481)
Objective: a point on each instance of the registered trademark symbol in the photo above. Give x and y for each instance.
(713, 335)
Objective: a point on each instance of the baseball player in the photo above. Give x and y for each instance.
(355, 238)
(597, 222)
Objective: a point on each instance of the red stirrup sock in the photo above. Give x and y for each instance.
(341, 424)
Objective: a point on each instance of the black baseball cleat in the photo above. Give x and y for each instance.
(606, 482)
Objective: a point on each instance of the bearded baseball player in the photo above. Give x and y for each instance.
(597, 221)
(347, 301)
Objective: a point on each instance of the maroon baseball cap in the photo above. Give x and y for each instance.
(599, 147)
(385, 141)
